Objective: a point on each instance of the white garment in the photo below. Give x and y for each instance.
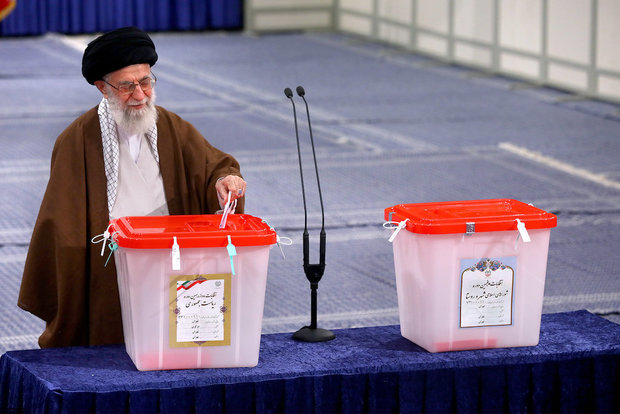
(140, 189)
(132, 141)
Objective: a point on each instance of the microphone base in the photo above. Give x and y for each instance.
(308, 334)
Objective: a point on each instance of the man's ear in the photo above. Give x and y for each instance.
(101, 86)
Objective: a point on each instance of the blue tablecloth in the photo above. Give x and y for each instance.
(575, 367)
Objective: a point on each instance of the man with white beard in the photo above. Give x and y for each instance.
(124, 157)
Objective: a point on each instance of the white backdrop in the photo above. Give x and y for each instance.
(570, 44)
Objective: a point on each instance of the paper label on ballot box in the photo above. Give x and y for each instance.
(487, 291)
(200, 310)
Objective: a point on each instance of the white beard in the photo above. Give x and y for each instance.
(133, 121)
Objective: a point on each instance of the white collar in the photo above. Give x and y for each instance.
(132, 141)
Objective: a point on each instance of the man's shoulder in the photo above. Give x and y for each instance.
(172, 123)
(168, 115)
(88, 116)
(87, 120)
(83, 126)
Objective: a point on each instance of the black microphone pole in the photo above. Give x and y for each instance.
(301, 92)
(314, 272)
(289, 94)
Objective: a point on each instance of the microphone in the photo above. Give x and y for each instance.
(301, 92)
(289, 95)
(314, 272)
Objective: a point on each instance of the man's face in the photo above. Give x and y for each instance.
(135, 111)
(128, 75)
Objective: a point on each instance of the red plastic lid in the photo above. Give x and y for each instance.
(454, 217)
(157, 232)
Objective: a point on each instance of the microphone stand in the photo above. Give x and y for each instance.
(314, 272)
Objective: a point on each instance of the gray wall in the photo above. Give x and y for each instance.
(571, 44)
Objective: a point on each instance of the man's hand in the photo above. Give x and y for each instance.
(231, 183)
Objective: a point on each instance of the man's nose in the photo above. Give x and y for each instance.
(138, 93)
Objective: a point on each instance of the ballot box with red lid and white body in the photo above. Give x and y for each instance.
(192, 293)
(470, 274)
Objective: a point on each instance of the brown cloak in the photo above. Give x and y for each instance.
(65, 282)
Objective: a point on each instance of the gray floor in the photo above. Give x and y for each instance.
(390, 127)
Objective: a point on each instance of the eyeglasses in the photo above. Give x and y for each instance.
(128, 88)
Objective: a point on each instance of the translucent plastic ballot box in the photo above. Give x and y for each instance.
(192, 293)
(470, 274)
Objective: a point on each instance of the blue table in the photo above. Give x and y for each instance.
(575, 367)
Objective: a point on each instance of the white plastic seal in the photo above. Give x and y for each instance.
(108, 238)
(176, 254)
(523, 231)
(286, 241)
(397, 228)
(280, 241)
(102, 238)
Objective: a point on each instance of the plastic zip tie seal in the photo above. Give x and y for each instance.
(397, 230)
(102, 238)
(113, 246)
(176, 254)
(287, 241)
(523, 231)
(232, 251)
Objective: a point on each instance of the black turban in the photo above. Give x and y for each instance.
(115, 50)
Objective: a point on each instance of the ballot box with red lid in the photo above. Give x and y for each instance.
(192, 293)
(470, 274)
